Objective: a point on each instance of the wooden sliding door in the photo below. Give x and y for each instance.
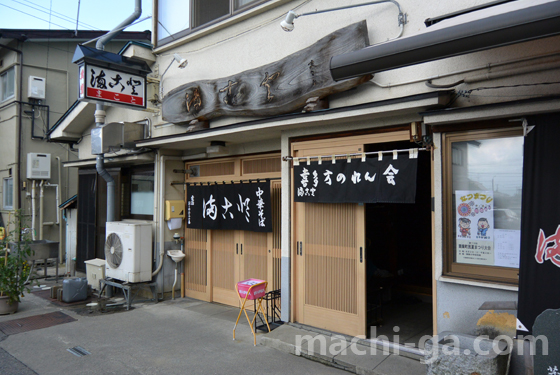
(328, 249)
(217, 259)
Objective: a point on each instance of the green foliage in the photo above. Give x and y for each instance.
(14, 267)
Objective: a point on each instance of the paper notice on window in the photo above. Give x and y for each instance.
(474, 227)
(507, 245)
(475, 252)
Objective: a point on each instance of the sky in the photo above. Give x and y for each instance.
(93, 15)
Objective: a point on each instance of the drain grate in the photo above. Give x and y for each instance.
(78, 351)
(32, 323)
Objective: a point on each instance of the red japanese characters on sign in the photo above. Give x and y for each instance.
(548, 248)
(103, 84)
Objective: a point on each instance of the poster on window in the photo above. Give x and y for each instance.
(243, 206)
(474, 227)
(507, 244)
(370, 181)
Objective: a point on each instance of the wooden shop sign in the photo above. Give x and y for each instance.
(280, 87)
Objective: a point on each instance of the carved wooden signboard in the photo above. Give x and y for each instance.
(280, 87)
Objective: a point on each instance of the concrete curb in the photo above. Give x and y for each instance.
(341, 352)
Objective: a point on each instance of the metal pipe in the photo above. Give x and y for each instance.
(33, 197)
(463, 71)
(174, 283)
(100, 113)
(401, 16)
(513, 72)
(156, 204)
(183, 265)
(111, 34)
(110, 187)
(59, 199)
(41, 210)
(161, 238)
(287, 158)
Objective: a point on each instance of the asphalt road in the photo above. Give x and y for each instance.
(184, 336)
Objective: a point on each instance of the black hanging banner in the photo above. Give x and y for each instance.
(371, 181)
(244, 206)
(539, 266)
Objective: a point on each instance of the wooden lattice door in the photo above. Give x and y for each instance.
(330, 267)
(217, 259)
(328, 249)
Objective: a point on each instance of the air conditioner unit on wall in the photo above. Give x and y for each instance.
(128, 251)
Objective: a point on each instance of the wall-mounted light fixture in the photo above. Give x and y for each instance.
(288, 23)
(182, 64)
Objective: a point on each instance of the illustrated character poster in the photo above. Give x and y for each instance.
(474, 227)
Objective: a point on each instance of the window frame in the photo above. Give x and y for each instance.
(501, 275)
(3, 77)
(192, 17)
(4, 195)
(126, 201)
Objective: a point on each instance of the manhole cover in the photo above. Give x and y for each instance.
(11, 327)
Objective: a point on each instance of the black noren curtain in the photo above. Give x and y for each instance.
(539, 267)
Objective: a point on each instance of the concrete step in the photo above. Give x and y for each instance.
(351, 354)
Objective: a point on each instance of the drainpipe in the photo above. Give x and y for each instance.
(59, 198)
(33, 198)
(100, 112)
(111, 34)
(100, 167)
(41, 210)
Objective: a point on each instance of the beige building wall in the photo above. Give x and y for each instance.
(51, 60)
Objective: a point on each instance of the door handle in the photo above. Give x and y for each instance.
(297, 248)
(237, 248)
(241, 249)
(300, 248)
(361, 255)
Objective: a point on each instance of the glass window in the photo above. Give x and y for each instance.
(173, 17)
(142, 194)
(242, 3)
(8, 193)
(7, 84)
(483, 206)
(177, 18)
(206, 11)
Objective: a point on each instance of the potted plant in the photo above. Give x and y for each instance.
(14, 267)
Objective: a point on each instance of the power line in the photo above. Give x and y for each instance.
(70, 18)
(39, 18)
(52, 13)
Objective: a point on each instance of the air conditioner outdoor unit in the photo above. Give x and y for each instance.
(128, 251)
